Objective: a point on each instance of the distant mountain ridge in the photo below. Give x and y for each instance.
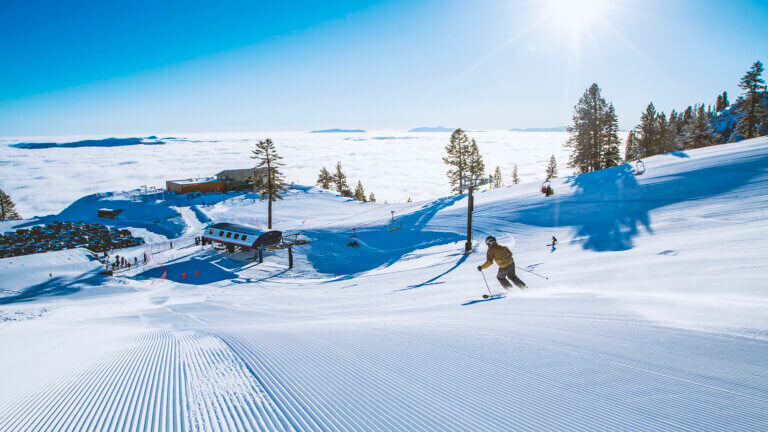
(431, 129)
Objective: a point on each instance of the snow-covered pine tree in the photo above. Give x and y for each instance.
(371, 198)
(632, 147)
(699, 133)
(274, 183)
(591, 132)
(325, 179)
(458, 150)
(476, 167)
(552, 168)
(515, 177)
(498, 181)
(360, 192)
(7, 207)
(751, 105)
(340, 179)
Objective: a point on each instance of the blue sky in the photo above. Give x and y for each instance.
(146, 67)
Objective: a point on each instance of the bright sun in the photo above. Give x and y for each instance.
(577, 16)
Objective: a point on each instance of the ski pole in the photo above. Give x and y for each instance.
(532, 273)
(486, 284)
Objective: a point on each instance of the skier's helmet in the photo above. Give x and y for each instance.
(490, 240)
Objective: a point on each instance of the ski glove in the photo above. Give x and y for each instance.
(479, 268)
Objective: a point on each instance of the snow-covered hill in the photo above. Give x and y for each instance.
(652, 315)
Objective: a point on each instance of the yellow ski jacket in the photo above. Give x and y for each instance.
(501, 254)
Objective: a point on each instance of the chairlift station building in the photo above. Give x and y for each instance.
(243, 236)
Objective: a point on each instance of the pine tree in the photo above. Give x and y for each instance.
(7, 207)
(325, 179)
(725, 100)
(751, 105)
(654, 134)
(371, 198)
(719, 103)
(515, 177)
(458, 150)
(476, 168)
(552, 168)
(611, 154)
(409, 199)
(274, 184)
(360, 192)
(498, 181)
(340, 180)
(632, 147)
(699, 133)
(593, 135)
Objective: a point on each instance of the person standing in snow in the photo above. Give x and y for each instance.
(503, 257)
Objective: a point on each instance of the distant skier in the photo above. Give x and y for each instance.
(503, 257)
(554, 243)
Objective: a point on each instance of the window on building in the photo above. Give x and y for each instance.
(221, 233)
(236, 236)
(210, 232)
(229, 235)
(244, 237)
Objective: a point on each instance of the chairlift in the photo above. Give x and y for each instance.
(546, 188)
(352, 241)
(639, 167)
(394, 224)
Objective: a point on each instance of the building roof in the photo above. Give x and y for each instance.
(240, 170)
(236, 228)
(196, 180)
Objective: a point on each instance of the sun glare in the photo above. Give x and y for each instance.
(576, 16)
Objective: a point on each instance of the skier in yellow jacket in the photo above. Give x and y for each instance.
(503, 257)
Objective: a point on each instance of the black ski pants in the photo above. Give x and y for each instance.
(507, 274)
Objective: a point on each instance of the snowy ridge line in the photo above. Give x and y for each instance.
(161, 380)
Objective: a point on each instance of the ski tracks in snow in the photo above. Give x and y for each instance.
(163, 380)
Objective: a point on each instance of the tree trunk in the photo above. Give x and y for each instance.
(269, 193)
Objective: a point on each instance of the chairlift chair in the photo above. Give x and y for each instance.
(352, 241)
(639, 167)
(546, 188)
(394, 224)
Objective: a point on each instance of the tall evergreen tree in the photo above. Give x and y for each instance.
(653, 133)
(274, 183)
(325, 179)
(498, 181)
(515, 177)
(371, 198)
(552, 168)
(458, 158)
(340, 179)
(632, 147)
(476, 168)
(699, 133)
(7, 207)
(725, 100)
(360, 192)
(719, 106)
(611, 154)
(593, 139)
(751, 105)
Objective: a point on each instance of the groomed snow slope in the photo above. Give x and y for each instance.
(653, 317)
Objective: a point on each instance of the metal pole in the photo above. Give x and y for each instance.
(290, 258)
(486, 283)
(532, 273)
(468, 244)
